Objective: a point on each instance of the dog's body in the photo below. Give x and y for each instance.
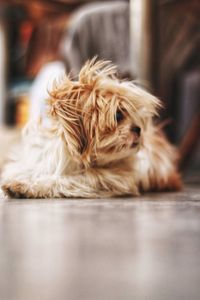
(101, 143)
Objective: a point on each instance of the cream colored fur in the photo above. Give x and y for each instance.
(92, 146)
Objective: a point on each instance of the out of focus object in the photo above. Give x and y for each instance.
(167, 51)
(190, 142)
(142, 35)
(3, 62)
(22, 110)
(102, 29)
(18, 104)
(188, 117)
(178, 73)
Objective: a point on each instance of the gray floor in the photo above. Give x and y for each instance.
(120, 249)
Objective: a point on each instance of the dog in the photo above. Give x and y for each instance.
(101, 141)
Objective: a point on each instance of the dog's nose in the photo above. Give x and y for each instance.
(136, 130)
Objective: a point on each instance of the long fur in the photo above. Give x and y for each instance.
(87, 150)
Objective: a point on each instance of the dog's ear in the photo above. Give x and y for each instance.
(64, 106)
(72, 125)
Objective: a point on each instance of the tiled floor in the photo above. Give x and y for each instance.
(122, 249)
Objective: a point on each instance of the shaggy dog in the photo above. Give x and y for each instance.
(101, 142)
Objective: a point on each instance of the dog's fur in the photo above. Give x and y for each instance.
(94, 147)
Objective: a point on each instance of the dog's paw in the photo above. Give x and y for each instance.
(16, 189)
(26, 189)
(174, 182)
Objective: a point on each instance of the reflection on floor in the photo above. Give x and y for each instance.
(119, 249)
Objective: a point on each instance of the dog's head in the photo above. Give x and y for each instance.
(103, 119)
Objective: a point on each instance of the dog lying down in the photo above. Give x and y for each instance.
(101, 142)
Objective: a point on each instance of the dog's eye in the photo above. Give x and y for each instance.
(119, 116)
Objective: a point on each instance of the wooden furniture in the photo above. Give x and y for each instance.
(165, 41)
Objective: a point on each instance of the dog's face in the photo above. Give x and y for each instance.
(103, 119)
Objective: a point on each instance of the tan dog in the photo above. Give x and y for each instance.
(101, 142)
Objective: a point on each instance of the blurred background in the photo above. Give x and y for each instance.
(156, 42)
